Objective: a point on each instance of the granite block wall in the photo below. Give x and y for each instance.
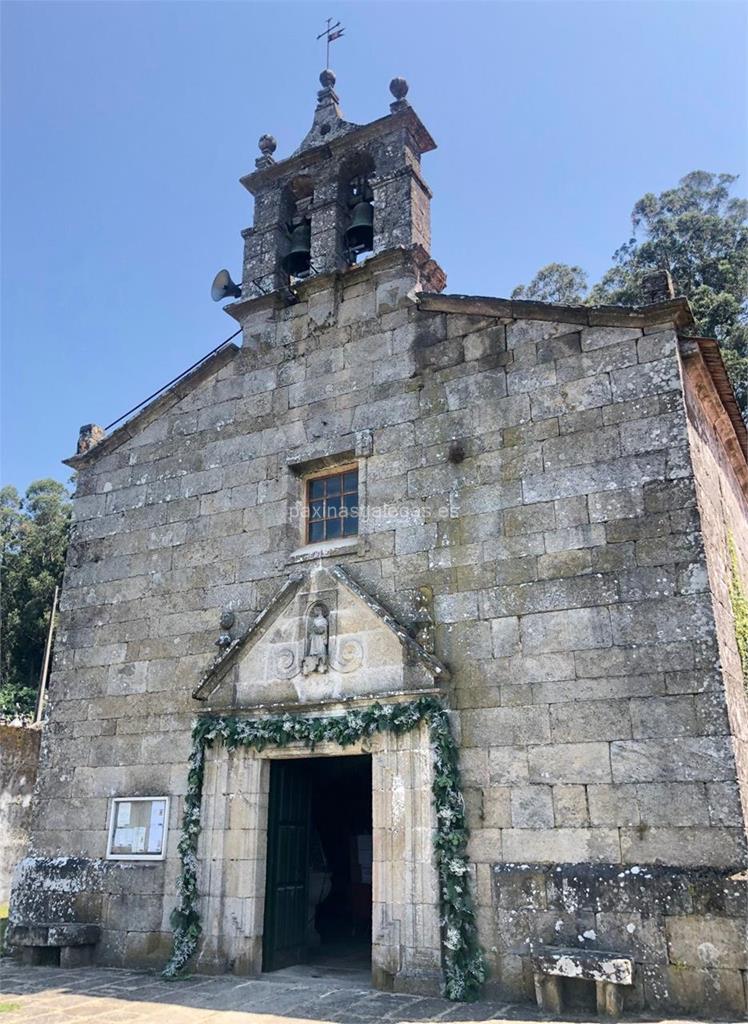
(19, 755)
(535, 473)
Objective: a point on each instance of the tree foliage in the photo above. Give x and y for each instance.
(555, 282)
(699, 232)
(34, 536)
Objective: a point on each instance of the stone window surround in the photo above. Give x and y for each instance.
(139, 858)
(406, 941)
(313, 459)
(339, 471)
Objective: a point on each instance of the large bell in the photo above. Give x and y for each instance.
(298, 259)
(360, 233)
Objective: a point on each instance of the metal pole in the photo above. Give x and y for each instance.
(45, 663)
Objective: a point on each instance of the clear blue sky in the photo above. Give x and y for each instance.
(126, 126)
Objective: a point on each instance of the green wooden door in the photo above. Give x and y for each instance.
(285, 930)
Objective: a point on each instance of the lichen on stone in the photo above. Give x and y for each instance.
(739, 602)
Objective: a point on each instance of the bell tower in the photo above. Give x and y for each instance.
(348, 192)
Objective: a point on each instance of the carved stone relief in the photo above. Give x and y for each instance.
(326, 639)
(316, 657)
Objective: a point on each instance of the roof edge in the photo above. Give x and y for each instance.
(678, 310)
(711, 355)
(164, 401)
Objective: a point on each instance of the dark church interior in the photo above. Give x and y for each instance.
(340, 859)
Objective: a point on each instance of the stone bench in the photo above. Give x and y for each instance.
(70, 944)
(609, 971)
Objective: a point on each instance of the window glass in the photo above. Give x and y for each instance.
(332, 506)
(137, 828)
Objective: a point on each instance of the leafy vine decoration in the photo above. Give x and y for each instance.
(463, 962)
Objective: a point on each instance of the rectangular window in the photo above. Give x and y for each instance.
(137, 828)
(332, 505)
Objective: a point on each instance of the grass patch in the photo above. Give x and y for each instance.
(9, 1007)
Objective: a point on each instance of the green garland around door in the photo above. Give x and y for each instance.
(462, 957)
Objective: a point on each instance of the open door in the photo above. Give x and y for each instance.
(286, 896)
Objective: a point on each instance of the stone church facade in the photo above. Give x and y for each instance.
(551, 521)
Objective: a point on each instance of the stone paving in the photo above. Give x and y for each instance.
(100, 995)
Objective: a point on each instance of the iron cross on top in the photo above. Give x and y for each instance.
(331, 33)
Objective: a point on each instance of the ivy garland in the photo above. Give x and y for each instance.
(462, 957)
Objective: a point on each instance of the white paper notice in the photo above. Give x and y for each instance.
(155, 838)
(156, 827)
(123, 814)
(138, 840)
(122, 839)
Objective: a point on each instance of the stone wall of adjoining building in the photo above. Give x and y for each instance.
(721, 479)
(534, 473)
(19, 757)
(125, 899)
(685, 929)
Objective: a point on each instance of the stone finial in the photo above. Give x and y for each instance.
(657, 286)
(327, 79)
(328, 117)
(399, 89)
(267, 145)
(327, 97)
(89, 435)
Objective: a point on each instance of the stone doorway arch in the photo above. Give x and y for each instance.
(232, 850)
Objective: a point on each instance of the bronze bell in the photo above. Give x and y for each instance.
(299, 255)
(360, 233)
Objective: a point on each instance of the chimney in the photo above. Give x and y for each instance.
(657, 286)
(89, 435)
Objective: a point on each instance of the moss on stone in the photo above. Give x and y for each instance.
(739, 602)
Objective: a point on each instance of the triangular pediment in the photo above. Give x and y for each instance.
(323, 637)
